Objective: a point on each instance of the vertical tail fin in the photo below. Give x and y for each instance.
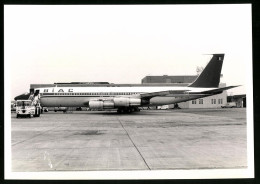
(210, 76)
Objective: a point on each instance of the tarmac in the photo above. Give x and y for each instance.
(146, 140)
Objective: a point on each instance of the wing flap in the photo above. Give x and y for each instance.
(162, 93)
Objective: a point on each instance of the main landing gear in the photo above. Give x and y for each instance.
(127, 110)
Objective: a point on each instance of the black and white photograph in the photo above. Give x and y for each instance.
(128, 91)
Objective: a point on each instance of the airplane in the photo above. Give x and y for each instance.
(127, 99)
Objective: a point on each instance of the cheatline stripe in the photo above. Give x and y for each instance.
(93, 93)
(75, 96)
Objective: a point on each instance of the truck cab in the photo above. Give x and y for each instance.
(26, 108)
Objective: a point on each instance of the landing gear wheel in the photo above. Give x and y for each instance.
(136, 109)
(120, 111)
(127, 110)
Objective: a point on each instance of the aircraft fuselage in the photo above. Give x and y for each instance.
(80, 96)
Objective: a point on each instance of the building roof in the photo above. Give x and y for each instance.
(169, 79)
(237, 96)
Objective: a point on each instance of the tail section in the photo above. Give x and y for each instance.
(210, 76)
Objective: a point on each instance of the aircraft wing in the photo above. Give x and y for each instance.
(161, 93)
(164, 93)
(219, 90)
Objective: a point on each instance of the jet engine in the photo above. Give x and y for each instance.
(114, 103)
(126, 102)
(95, 104)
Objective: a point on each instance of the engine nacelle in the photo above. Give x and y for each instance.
(126, 102)
(116, 102)
(95, 104)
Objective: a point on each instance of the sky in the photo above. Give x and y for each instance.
(44, 44)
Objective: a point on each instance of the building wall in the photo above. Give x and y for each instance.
(215, 101)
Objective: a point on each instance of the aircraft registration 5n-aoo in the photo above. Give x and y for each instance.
(127, 99)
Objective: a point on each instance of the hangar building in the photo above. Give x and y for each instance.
(169, 79)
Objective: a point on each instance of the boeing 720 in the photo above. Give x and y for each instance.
(129, 98)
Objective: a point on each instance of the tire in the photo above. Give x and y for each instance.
(120, 111)
(37, 112)
(128, 110)
(17, 116)
(136, 109)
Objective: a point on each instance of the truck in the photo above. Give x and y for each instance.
(229, 105)
(27, 108)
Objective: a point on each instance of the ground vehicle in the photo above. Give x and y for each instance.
(163, 107)
(26, 108)
(229, 105)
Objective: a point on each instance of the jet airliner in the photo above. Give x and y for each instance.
(129, 98)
